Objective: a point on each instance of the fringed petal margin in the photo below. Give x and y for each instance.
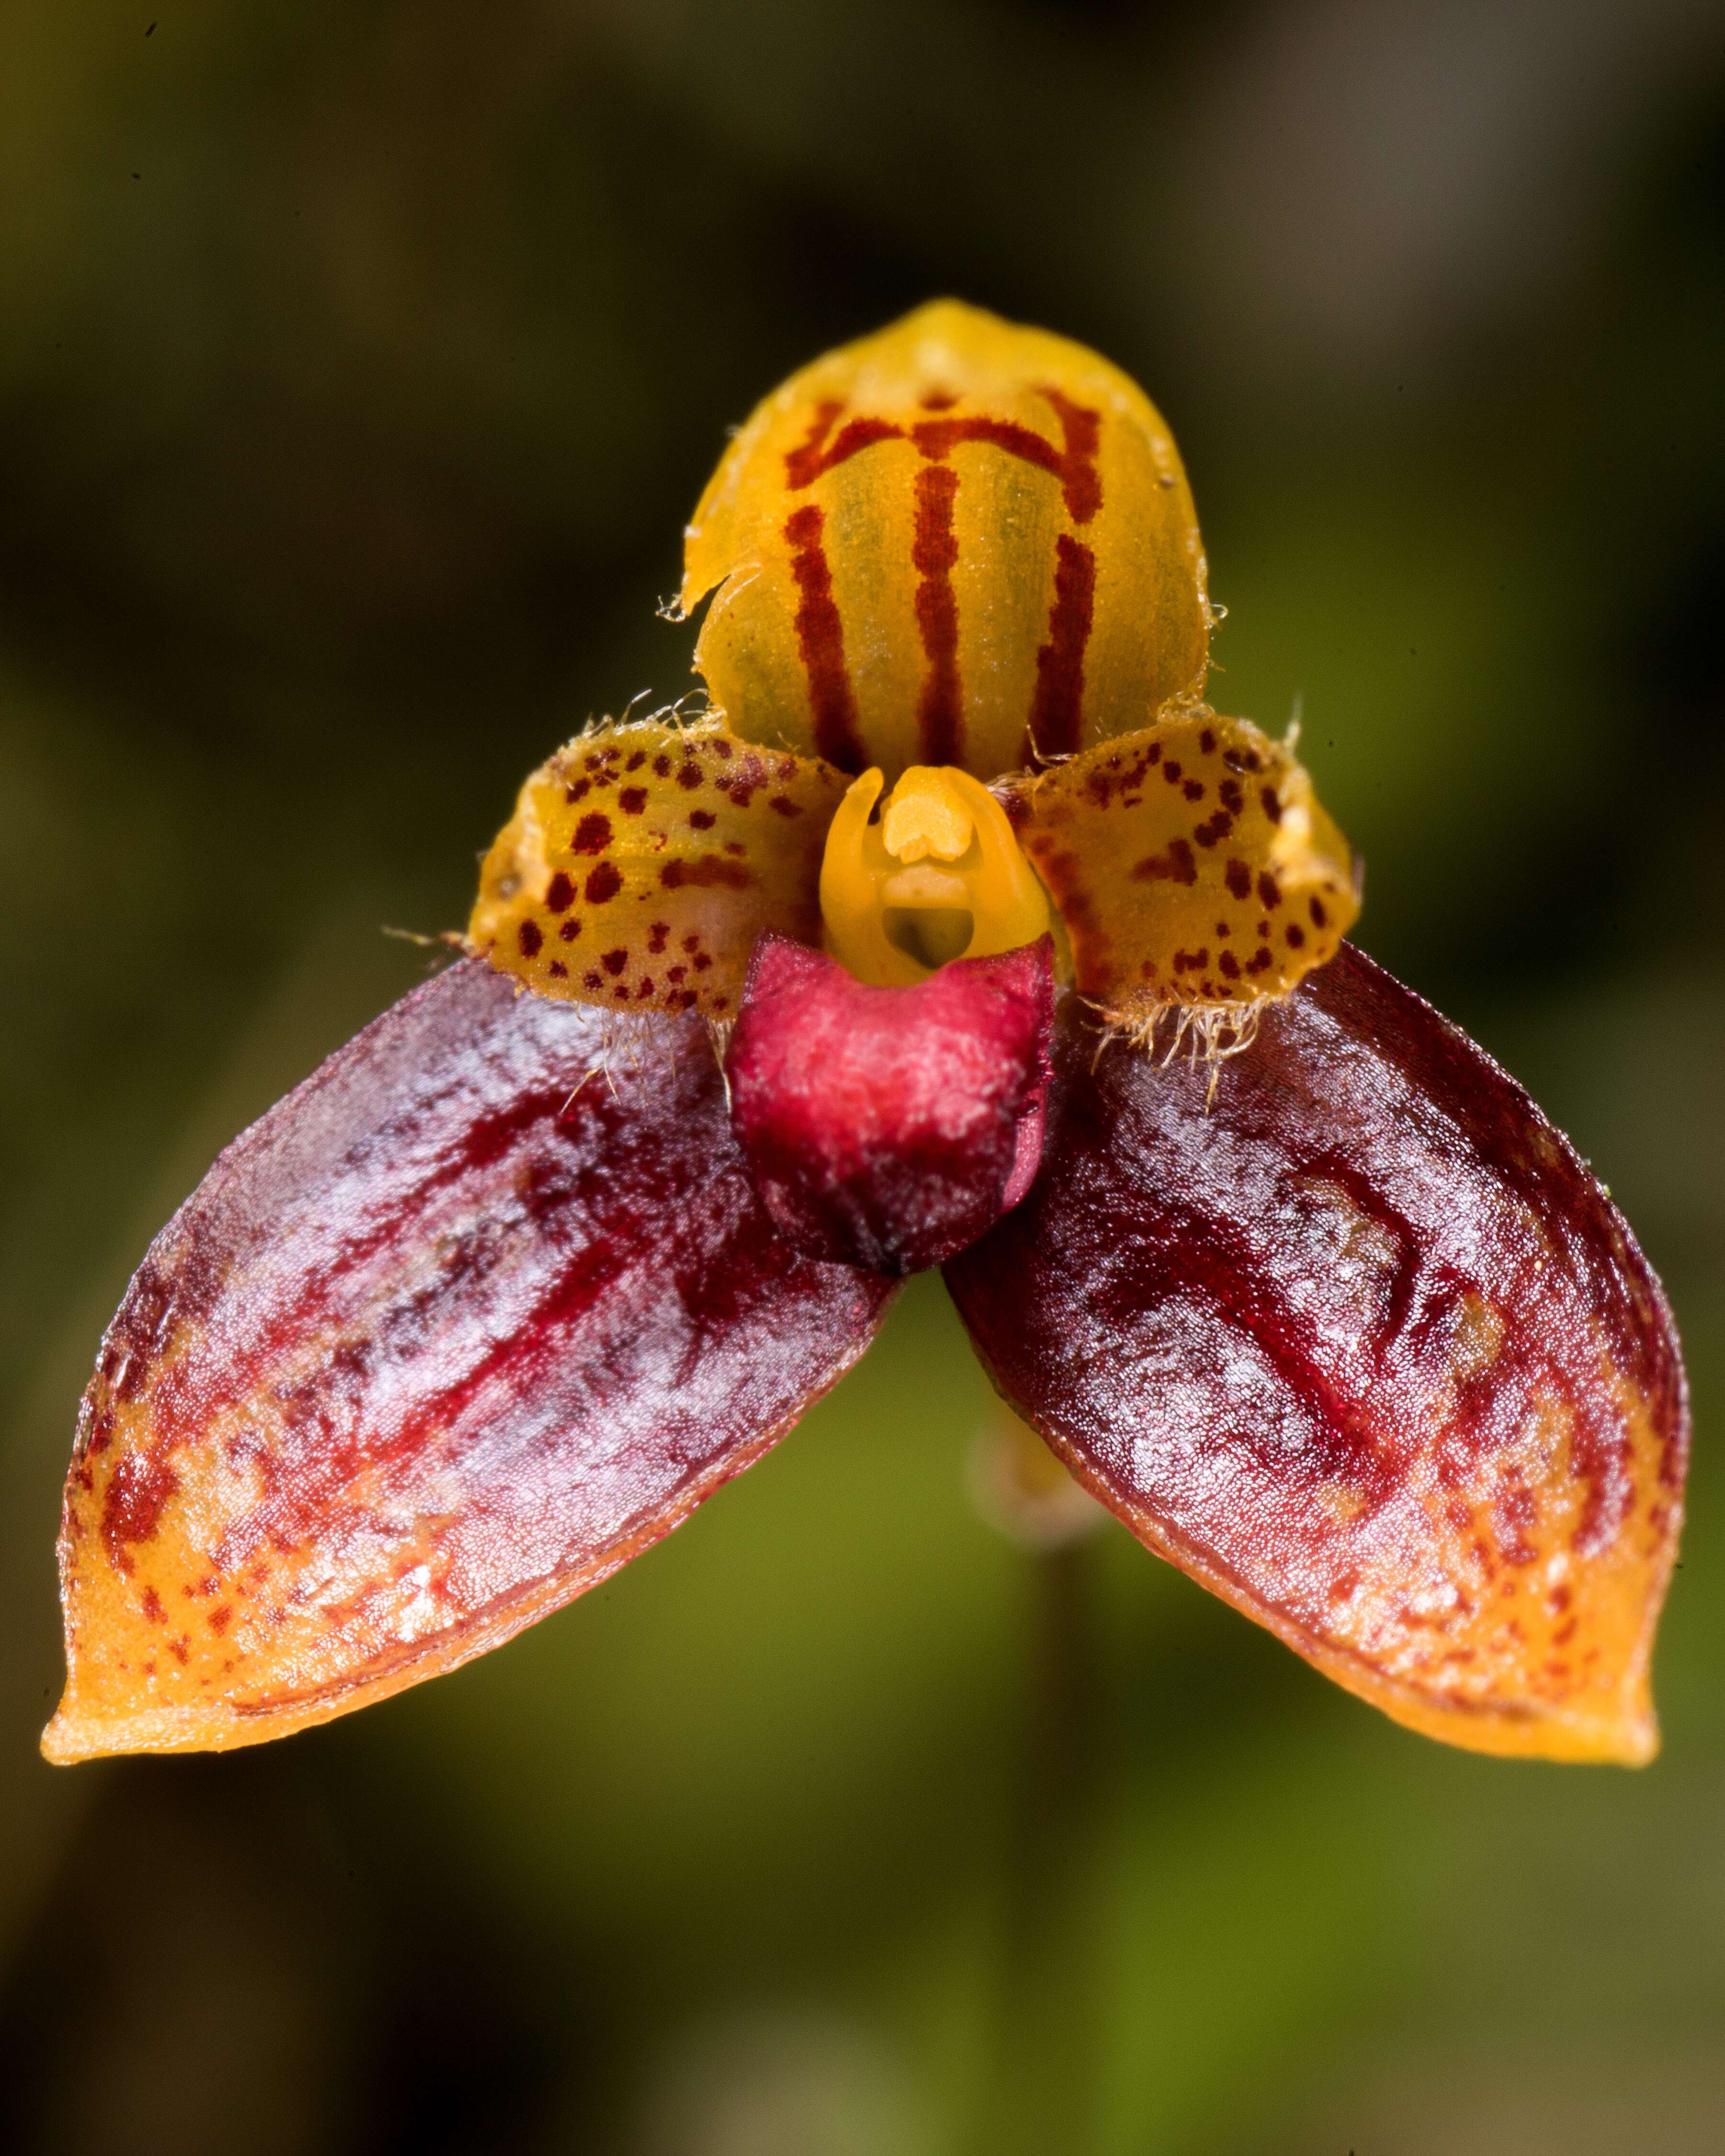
(643, 860)
(434, 1349)
(1367, 1350)
(1191, 863)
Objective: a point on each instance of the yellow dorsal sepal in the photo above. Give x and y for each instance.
(958, 540)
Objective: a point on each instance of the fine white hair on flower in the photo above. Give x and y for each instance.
(1210, 1033)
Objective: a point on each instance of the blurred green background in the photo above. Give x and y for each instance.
(358, 366)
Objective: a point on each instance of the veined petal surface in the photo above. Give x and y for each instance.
(1365, 1348)
(432, 1350)
(1191, 863)
(949, 543)
(643, 860)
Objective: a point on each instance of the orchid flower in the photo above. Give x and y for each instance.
(956, 930)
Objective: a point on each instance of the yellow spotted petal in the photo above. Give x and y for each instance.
(946, 544)
(643, 861)
(1191, 864)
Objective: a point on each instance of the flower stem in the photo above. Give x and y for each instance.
(1042, 2098)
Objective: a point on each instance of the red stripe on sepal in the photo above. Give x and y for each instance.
(1362, 1345)
(434, 1349)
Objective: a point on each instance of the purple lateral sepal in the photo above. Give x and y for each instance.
(460, 1325)
(1361, 1344)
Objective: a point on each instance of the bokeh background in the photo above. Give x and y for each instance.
(359, 363)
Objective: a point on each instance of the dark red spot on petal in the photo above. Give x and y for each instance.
(711, 870)
(134, 1500)
(1176, 865)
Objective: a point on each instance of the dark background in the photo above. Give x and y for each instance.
(359, 363)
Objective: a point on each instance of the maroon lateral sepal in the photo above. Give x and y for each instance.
(433, 1348)
(1362, 1346)
(890, 1128)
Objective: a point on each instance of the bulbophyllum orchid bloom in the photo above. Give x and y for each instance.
(1324, 1311)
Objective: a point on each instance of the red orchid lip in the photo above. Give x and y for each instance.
(889, 1128)
(434, 1348)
